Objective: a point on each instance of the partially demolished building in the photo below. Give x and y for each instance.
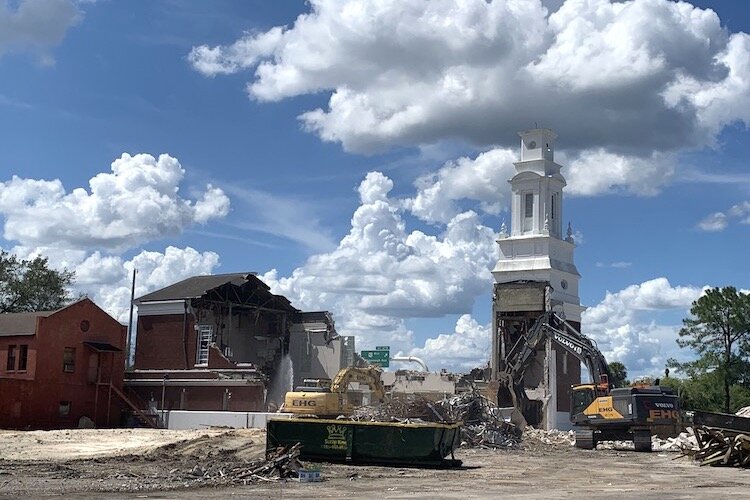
(535, 274)
(222, 343)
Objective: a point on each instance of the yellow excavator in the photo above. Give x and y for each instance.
(320, 399)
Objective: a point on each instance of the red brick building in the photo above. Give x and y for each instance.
(218, 343)
(59, 366)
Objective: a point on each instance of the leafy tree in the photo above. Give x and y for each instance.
(30, 285)
(618, 374)
(705, 392)
(719, 332)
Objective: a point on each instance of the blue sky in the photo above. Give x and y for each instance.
(382, 205)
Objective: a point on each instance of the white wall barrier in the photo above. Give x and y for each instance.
(183, 419)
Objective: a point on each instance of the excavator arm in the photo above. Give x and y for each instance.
(521, 355)
(369, 376)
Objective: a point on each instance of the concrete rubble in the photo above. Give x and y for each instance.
(552, 437)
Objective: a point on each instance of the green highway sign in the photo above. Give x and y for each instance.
(382, 348)
(377, 357)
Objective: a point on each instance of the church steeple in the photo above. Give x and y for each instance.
(537, 248)
(537, 186)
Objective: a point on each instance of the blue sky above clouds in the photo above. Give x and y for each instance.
(355, 154)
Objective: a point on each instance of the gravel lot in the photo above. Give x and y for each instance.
(162, 464)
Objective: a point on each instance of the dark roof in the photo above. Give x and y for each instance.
(242, 289)
(20, 323)
(194, 287)
(102, 347)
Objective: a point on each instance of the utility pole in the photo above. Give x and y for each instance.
(130, 323)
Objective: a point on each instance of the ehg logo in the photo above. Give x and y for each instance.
(302, 402)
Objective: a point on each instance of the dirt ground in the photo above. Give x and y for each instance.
(164, 464)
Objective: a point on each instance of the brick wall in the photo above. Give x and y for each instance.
(162, 342)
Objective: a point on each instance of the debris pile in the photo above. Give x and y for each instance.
(483, 424)
(684, 442)
(723, 439)
(405, 410)
(283, 463)
(553, 437)
(722, 447)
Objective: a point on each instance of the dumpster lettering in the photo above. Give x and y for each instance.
(336, 439)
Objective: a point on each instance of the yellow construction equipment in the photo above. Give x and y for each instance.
(319, 400)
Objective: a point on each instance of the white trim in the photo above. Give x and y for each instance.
(161, 307)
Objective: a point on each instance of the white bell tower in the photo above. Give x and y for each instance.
(536, 256)
(535, 250)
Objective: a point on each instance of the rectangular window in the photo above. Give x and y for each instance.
(529, 205)
(552, 207)
(69, 360)
(23, 354)
(528, 213)
(11, 366)
(64, 409)
(205, 337)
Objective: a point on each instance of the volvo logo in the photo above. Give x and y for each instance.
(567, 343)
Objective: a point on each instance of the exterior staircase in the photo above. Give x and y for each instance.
(144, 418)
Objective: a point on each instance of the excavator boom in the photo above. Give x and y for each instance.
(333, 401)
(598, 411)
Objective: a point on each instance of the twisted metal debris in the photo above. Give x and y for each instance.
(484, 426)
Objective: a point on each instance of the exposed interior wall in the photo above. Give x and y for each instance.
(312, 356)
(245, 337)
(427, 384)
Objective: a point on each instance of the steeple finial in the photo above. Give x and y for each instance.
(545, 230)
(503, 230)
(569, 237)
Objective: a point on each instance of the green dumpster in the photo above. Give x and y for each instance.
(425, 444)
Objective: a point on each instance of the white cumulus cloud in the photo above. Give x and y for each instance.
(620, 324)
(381, 274)
(483, 179)
(628, 84)
(137, 202)
(467, 347)
(597, 171)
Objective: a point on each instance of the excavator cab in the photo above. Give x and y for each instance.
(583, 395)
